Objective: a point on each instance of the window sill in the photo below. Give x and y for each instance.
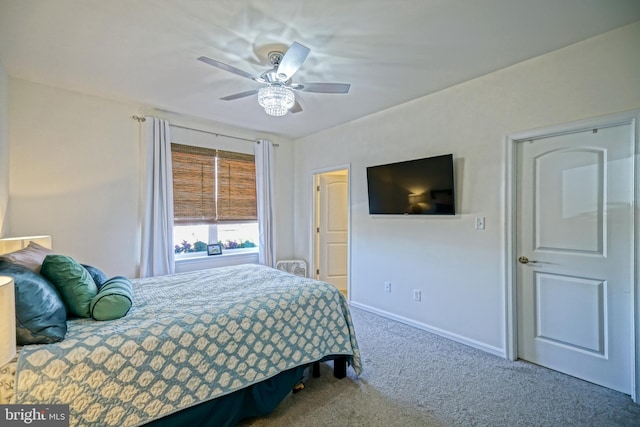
(225, 253)
(200, 261)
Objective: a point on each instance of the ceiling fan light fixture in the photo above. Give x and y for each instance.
(276, 100)
(277, 97)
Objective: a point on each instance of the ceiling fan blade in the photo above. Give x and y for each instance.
(325, 87)
(292, 60)
(225, 67)
(296, 108)
(240, 95)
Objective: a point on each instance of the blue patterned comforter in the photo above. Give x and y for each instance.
(189, 338)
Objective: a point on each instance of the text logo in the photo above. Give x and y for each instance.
(34, 415)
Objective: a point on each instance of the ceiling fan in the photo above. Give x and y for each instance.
(277, 97)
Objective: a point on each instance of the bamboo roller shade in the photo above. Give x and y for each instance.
(197, 171)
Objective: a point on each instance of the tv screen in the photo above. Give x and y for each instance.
(415, 187)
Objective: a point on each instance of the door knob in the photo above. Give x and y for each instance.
(525, 260)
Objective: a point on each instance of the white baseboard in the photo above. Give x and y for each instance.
(500, 352)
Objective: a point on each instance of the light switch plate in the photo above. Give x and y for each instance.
(479, 223)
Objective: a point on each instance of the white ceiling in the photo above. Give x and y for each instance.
(145, 51)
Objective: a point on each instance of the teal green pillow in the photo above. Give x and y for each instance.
(114, 299)
(72, 280)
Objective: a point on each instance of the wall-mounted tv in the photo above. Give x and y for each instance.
(414, 187)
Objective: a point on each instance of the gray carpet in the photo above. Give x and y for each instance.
(414, 378)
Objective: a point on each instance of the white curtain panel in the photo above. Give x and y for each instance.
(157, 253)
(264, 187)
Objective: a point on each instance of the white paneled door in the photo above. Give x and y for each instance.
(333, 228)
(574, 246)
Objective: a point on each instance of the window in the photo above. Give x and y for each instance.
(214, 198)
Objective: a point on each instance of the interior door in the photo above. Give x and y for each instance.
(333, 228)
(575, 247)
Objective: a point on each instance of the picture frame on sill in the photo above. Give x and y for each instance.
(214, 249)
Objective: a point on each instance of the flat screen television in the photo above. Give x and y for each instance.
(414, 187)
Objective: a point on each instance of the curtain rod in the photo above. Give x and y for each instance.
(213, 133)
(142, 119)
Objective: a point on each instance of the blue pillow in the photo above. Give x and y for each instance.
(41, 317)
(114, 299)
(98, 276)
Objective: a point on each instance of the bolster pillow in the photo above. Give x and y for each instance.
(114, 299)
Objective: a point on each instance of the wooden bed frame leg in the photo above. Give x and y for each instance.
(340, 368)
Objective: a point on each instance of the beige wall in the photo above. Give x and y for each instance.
(74, 174)
(460, 270)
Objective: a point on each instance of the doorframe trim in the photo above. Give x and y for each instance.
(511, 315)
(312, 248)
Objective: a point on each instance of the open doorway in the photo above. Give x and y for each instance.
(330, 254)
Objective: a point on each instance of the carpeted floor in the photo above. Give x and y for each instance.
(414, 378)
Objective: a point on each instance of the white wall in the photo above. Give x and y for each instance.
(460, 270)
(74, 174)
(4, 146)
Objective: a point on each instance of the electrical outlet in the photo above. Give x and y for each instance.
(479, 223)
(417, 295)
(387, 286)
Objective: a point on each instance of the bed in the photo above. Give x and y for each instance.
(192, 345)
